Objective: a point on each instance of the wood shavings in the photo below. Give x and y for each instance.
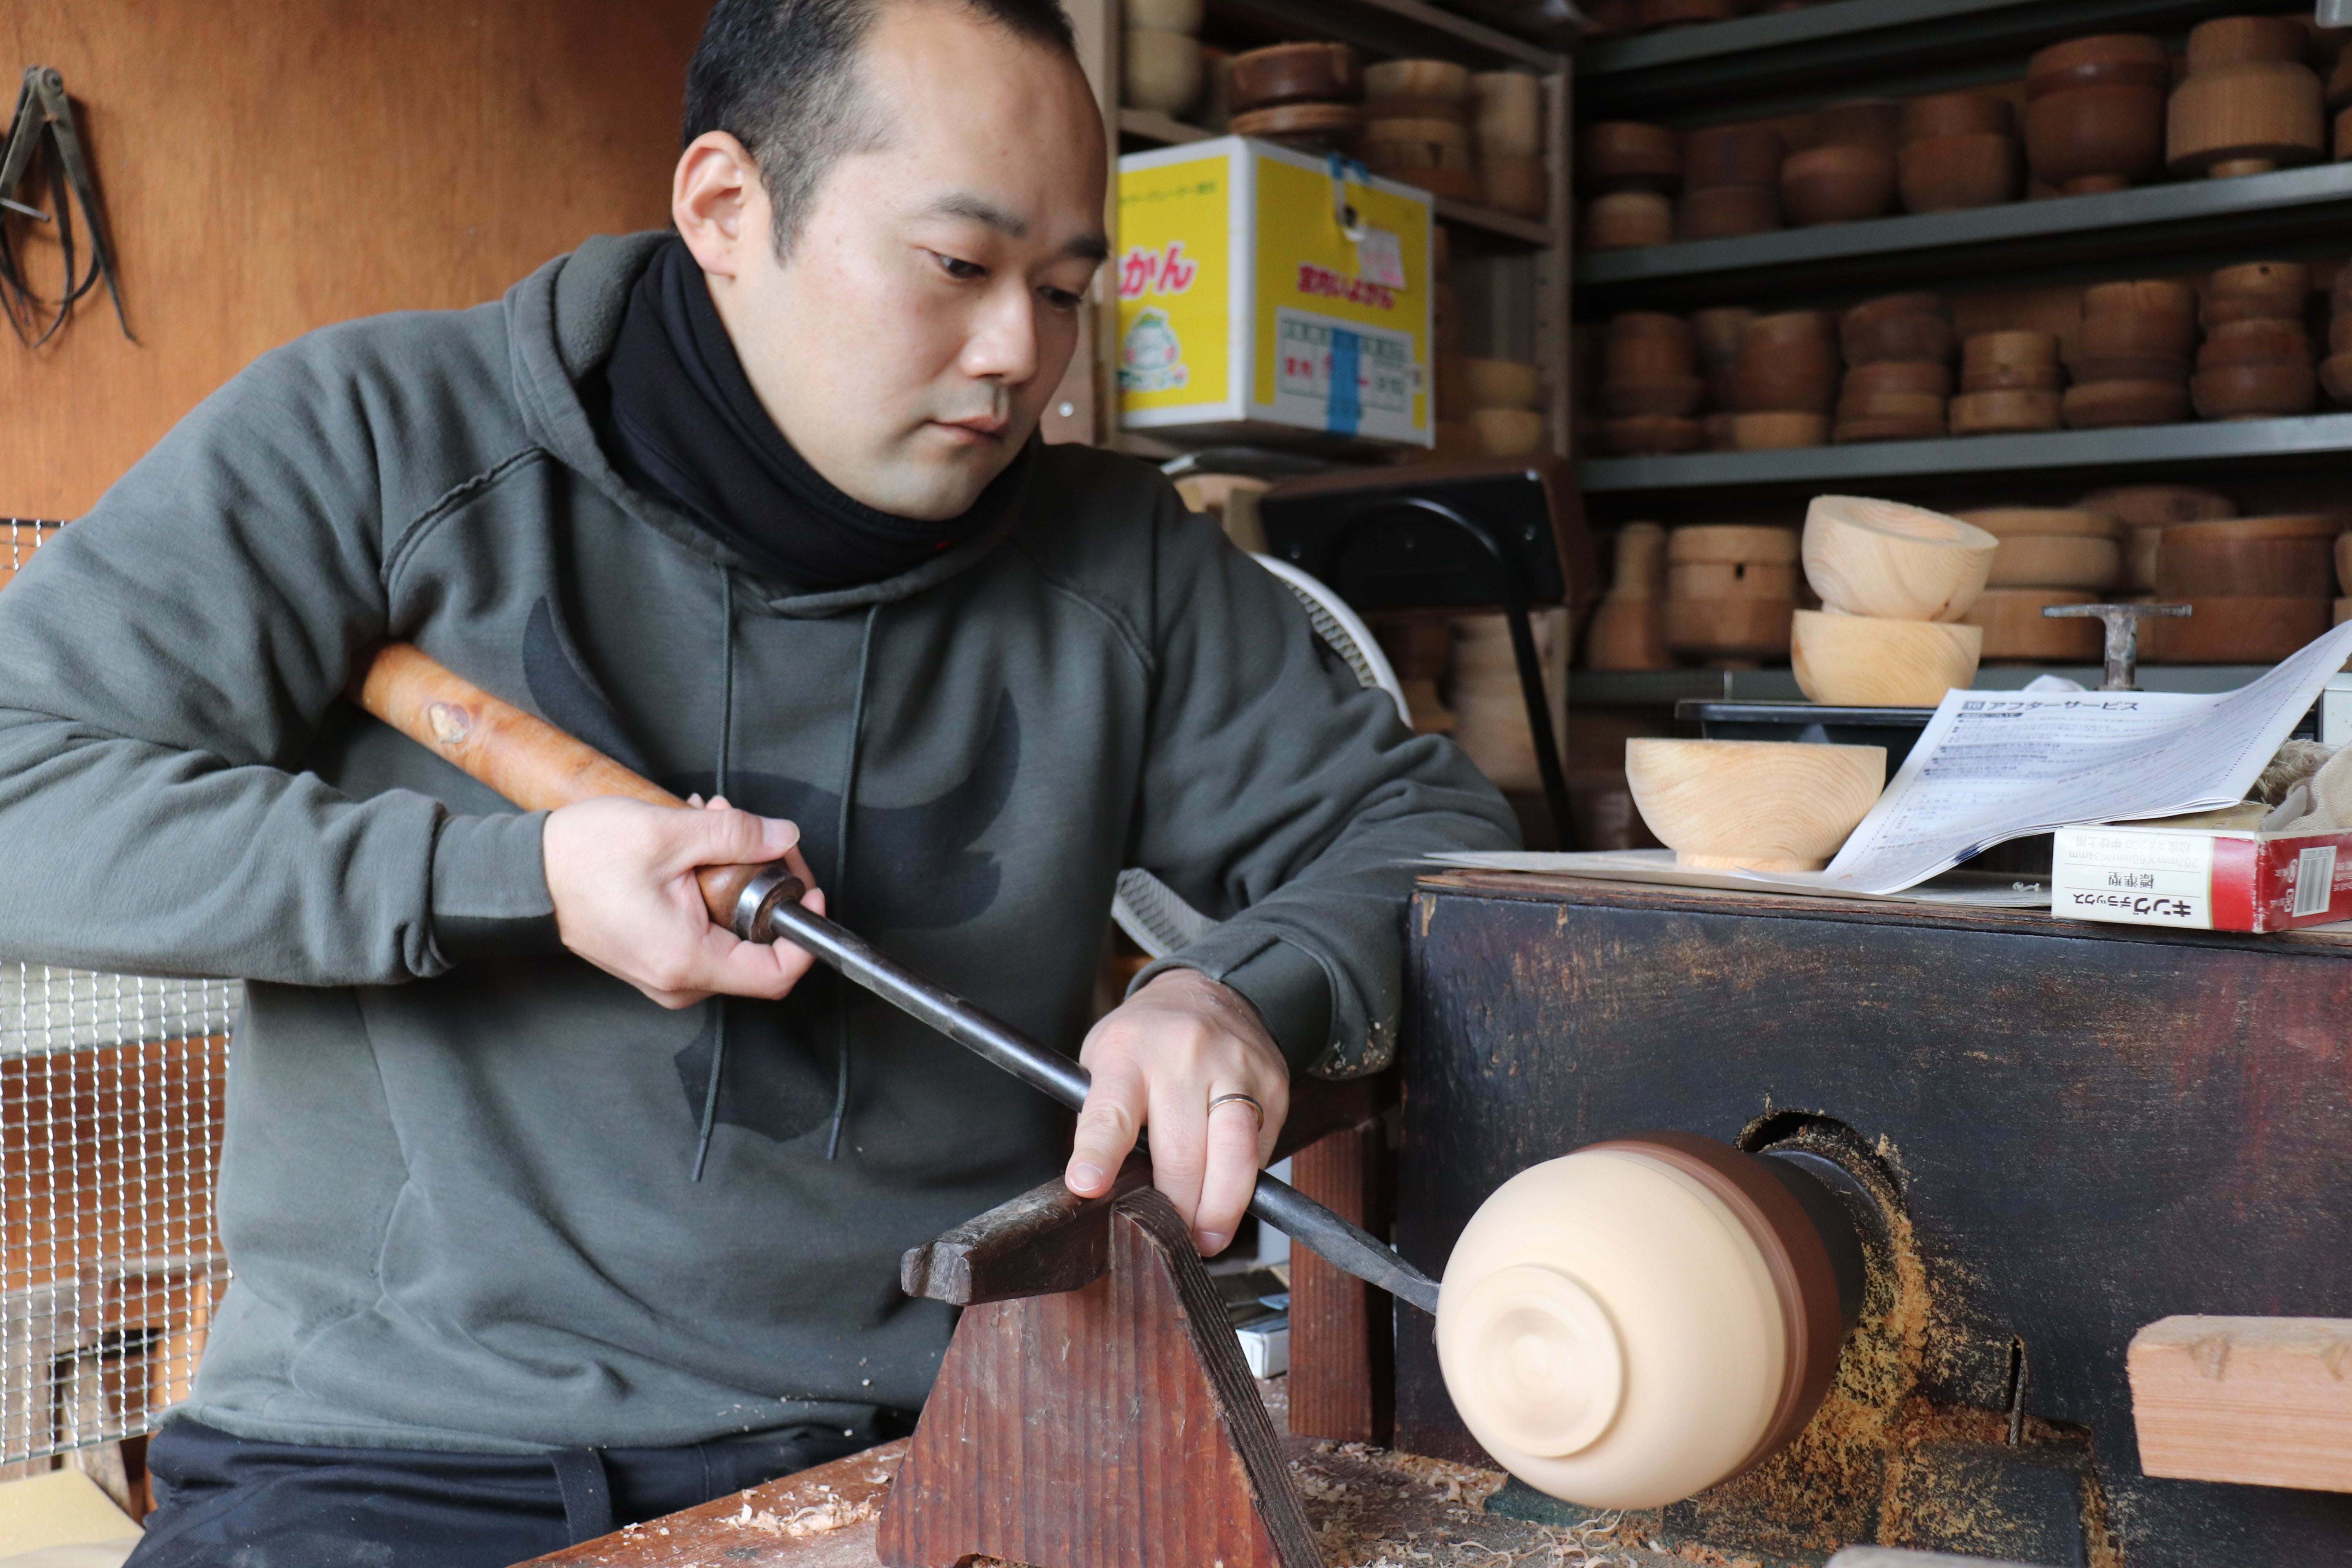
(1374, 1509)
(826, 1514)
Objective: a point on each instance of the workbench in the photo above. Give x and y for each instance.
(2074, 1129)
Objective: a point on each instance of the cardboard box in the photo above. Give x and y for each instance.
(1247, 312)
(2203, 878)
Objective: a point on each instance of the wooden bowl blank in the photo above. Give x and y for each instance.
(1787, 327)
(2104, 60)
(1625, 220)
(1719, 331)
(2013, 350)
(2007, 412)
(1297, 73)
(2239, 630)
(1864, 122)
(1847, 431)
(1920, 377)
(1651, 435)
(1727, 212)
(2245, 117)
(2158, 506)
(1510, 112)
(2116, 404)
(1625, 155)
(1766, 391)
(1770, 805)
(2003, 378)
(1514, 185)
(1881, 558)
(1640, 358)
(2015, 629)
(1508, 432)
(2086, 140)
(2134, 332)
(1731, 544)
(2335, 373)
(1733, 580)
(2057, 560)
(1864, 662)
(1161, 71)
(2007, 522)
(1418, 79)
(2258, 342)
(2153, 296)
(1327, 126)
(2190, 566)
(1950, 173)
(1919, 406)
(1680, 396)
(2235, 40)
(2254, 391)
(1502, 384)
(1894, 338)
(1732, 155)
(1777, 430)
(1727, 631)
(1966, 114)
(2171, 368)
(1837, 184)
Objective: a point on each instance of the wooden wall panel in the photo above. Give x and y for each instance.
(269, 166)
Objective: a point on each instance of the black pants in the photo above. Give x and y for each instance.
(227, 1502)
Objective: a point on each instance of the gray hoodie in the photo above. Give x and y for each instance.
(456, 1190)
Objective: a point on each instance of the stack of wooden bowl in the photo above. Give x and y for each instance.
(1898, 375)
(1505, 403)
(1730, 590)
(1490, 710)
(1718, 333)
(1784, 383)
(2335, 369)
(2095, 112)
(1632, 171)
(1958, 152)
(2258, 587)
(1308, 96)
(1162, 70)
(1893, 583)
(1629, 626)
(1417, 126)
(2145, 511)
(1650, 385)
(1509, 123)
(2046, 557)
(1731, 182)
(1849, 172)
(2130, 359)
(2010, 382)
(2251, 103)
(2255, 362)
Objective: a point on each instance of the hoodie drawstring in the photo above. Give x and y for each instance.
(719, 788)
(840, 876)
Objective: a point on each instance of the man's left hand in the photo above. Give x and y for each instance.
(1159, 1060)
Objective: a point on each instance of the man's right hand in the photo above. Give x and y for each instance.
(622, 875)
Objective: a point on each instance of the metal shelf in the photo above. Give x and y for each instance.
(1991, 463)
(1664, 688)
(2182, 228)
(1761, 66)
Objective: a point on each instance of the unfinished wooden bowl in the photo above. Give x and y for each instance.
(2008, 523)
(2121, 404)
(1879, 558)
(2254, 391)
(1916, 377)
(2057, 560)
(2089, 139)
(1502, 384)
(2222, 630)
(1732, 155)
(1729, 632)
(1904, 327)
(1863, 661)
(1651, 435)
(1951, 173)
(1725, 212)
(1774, 430)
(1626, 156)
(1297, 73)
(1681, 396)
(1965, 113)
(1837, 184)
(1627, 220)
(2170, 368)
(2254, 557)
(1783, 329)
(2010, 350)
(1918, 405)
(2249, 104)
(1629, 628)
(2152, 296)
(1769, 805)
(1160, 72)
(2007, 377)
(1417, 79)
(1509, 113)
(2257, 290)
(1766, 389)
(2011, 412)
(1508, 432)
(2015, 629)
(1863, 122)
(2132, 330)
(1310, 127)
(2106, 59)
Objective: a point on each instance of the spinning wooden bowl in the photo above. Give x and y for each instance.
(1878, 558)
(1643, 1318)
(1864, 661)
(1770, 805)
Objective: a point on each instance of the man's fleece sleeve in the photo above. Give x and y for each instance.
(165, 663)
(1282, 796)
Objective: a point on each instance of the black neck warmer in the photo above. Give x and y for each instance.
(688, 428)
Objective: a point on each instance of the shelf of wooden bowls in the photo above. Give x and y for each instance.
(2260, 587)
(1729, 594)
(1867, 662)
(1769, 805)
(2051, 548)
(2095, 112)
(1884, 559)
(2016, 631)
(1629, 625)
(1731, 182)
(1849, 173)
(2250, 103)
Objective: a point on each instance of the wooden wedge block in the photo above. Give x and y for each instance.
(2259, 1401)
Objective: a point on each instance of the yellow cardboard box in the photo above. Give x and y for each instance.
(1264, 291)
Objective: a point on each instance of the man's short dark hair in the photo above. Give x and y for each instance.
(781, 77)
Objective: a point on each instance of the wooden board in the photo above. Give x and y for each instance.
(2259, 1401)
(1342, 1384)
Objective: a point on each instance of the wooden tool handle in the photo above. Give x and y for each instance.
(523, 757)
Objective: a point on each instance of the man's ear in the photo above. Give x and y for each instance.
(719, 204)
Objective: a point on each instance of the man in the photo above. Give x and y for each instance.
(520, 1248)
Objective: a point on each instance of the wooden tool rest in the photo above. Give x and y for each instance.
(1094, 1410)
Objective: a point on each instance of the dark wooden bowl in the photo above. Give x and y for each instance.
(1948, 173)
(2159, 295)
(2016, 377)
(1626, 156)
(1732, 155)
(2106, 59)
(2011, 349)
(1787, 327)
(2238, 631)
(1297, 73)
(2084, 140)
(1864, 122)
(2254, 342)
(1650, 434)
(1679, 395)
(2008, 410)
(1891, 337)
(1967, 113)
(1645, 359)
(1900, 376)
(2110, 405)
(2133, 331)
(1625, 220)
(1842, 183)
(1848, 431)
(1891, 405)
(2173, 368)
(2254, 391)
(1722, 212)
(1761, 390)
(2276, 290)
(2242, 40)
(2195, 562)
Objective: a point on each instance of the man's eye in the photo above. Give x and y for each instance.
(1062, 299)
(961, 271)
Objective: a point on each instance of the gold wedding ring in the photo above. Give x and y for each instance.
(1248, 1100)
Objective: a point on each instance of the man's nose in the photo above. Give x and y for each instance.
(1003, 345)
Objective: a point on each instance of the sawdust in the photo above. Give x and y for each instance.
(822, 1517)
(1374, 1509)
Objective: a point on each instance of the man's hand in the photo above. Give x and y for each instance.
(1159, 1060)
(622, 875)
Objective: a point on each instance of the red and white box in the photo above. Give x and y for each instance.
(2203, 878)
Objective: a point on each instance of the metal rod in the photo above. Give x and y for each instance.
(1345, 1247)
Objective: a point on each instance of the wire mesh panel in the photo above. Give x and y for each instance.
(18, 540)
